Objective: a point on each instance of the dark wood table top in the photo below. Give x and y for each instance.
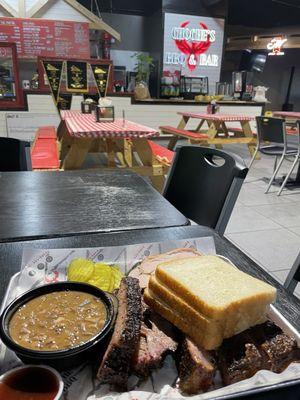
(53, 204)
(287, 304)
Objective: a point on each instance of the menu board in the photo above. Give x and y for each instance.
(41, 37)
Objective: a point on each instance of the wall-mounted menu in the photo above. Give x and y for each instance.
(40, 37)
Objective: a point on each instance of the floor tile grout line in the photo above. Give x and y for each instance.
(297, 234)
(246, 251)
(249, 255)
(276, 222)
(256, 230)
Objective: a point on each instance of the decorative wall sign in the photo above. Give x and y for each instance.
(77, 81)
(276, 46)
(193, 45)
(101, 74)
(53, 71)
(64, 101)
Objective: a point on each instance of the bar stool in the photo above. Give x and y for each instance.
(273, 130)
(293, 277)
(296, 160)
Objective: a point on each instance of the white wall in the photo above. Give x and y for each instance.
(37, 104)
(62, 11)
(150, 115)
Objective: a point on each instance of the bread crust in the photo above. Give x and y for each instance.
(194, 330)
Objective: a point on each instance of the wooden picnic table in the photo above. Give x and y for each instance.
(289, 115)
(120, 140)
(217, 132)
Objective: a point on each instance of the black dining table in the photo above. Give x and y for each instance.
(286, 303)
(53, 204)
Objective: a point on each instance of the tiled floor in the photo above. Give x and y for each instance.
(266, 226)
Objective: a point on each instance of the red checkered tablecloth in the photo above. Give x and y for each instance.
(217, 117)
(84, 126)
(287, 114)
(70, 114)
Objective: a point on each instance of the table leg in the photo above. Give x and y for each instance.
(246, 128)
(200, 125)
(110, 153)
(64, 145)
(77, 153)
(182, 124)
(144, 152)
(128, 152)
(213, 129)
(61, 130)
(172, 143)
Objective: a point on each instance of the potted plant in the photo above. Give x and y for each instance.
(143, 67)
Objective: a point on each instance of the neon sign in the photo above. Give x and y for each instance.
(192, 44)
(275, 45)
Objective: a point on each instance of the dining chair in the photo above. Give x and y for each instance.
(204, 183)
(272, 141)
(293, 277)
(14, 155)
(296, 160)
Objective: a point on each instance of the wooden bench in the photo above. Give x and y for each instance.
(46, 132)
(182, 132)
(202, 138)
(44, 150)
(162, 154)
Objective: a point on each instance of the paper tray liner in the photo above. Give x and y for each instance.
(39, 266)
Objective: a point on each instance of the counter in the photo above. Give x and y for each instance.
(39, 110)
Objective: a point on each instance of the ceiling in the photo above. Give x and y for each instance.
(247, 13)
(133, 7)
(264, 13)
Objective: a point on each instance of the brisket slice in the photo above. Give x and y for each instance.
(197, 368)
(239, 358)
(263, 346)
(277, 349)
(114, 368)
(157, 339)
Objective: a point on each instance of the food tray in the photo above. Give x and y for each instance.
(45, 266)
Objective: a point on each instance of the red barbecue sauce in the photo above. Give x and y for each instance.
(32, 383)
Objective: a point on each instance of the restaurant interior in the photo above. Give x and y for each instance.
(149, 199)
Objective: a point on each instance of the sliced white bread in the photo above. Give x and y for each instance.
(216, 289)
(196, 329)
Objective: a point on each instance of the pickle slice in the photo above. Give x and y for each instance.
(80, 270)
(118, 275)
(102, 277)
